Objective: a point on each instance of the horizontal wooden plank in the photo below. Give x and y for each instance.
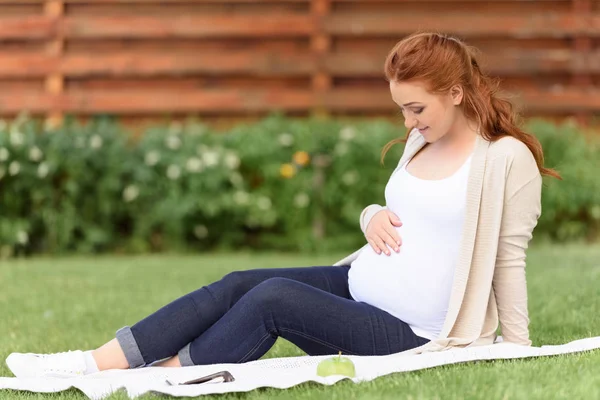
(20, 2)
(523, 26)
(26, 65)
(219, 1)
(274, 64)
(178, 1)
(28, 27)
(18, 101)
(508, 62)
(245, 1)
(414, 1)
(564, 101)
(198, 26)
(227, 101)
(373, 24)
(219, 101)
(155, 102)
(264, 64)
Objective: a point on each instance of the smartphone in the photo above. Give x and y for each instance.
(217, 377)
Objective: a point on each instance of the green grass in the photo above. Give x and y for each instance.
(50, 305)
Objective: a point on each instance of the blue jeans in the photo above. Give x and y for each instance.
(239, 318)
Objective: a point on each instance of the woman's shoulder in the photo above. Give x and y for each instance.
(509, 145)
(514, 153)
(511, 148)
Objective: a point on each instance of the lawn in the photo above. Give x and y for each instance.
(56, 304)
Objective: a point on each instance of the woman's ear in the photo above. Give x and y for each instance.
(456, 92)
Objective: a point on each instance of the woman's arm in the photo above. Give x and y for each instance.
(519, 218)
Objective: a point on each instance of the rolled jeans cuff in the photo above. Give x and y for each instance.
(130, 348)
(185, 358)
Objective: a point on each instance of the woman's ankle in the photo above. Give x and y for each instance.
(110, 356)
(172, 362)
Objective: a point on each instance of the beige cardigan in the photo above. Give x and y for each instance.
(503, 207)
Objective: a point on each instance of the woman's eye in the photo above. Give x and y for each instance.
(419, 111)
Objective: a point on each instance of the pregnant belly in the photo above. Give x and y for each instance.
(415, 278)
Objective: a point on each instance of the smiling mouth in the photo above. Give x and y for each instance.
(423, 130)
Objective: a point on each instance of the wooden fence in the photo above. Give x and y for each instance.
(149, 58)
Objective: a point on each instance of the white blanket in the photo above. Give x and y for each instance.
(279, 373)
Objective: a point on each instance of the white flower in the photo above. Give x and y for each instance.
(22, 237)
(241, 197)
(131, 193)
(194, 164)
(232, 161)
(173, 172)
(341, 149)
(14, 168)
(175, 128)
(236, 179)
(210, 158)
(35, 154)
(173, 142)
(4, 154)
(17, 138)
(264, 203)
(286, 139)
(2, 172)
(43, 170)
(200, 231)
(350, 178)
(347, 133)
(301, 200)
(95, 142)
(152, 158)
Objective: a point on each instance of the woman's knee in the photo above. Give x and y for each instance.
(239, 281)
(276, 291)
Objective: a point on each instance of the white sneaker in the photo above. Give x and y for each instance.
(59, 365)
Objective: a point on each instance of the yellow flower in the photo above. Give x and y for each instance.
(287, 170)
(301, 158)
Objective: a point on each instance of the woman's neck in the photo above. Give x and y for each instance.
(461, 135)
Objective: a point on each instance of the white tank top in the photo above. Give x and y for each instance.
(414, 285)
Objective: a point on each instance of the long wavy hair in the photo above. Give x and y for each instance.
(443, 61)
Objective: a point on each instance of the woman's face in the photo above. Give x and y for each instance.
(433, 114)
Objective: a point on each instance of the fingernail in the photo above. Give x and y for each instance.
(396, 249)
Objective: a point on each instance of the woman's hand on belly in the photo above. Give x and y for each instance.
(381, 232)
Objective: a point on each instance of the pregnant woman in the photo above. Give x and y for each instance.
(445, 259)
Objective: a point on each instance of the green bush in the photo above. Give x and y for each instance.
(277, 184)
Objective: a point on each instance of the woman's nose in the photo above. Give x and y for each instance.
(409, 122)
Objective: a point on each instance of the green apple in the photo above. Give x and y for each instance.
(336, 366)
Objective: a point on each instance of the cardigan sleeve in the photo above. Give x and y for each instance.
(367, 214)
(519, 218)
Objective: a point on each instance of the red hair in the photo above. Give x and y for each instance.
(442, 61)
